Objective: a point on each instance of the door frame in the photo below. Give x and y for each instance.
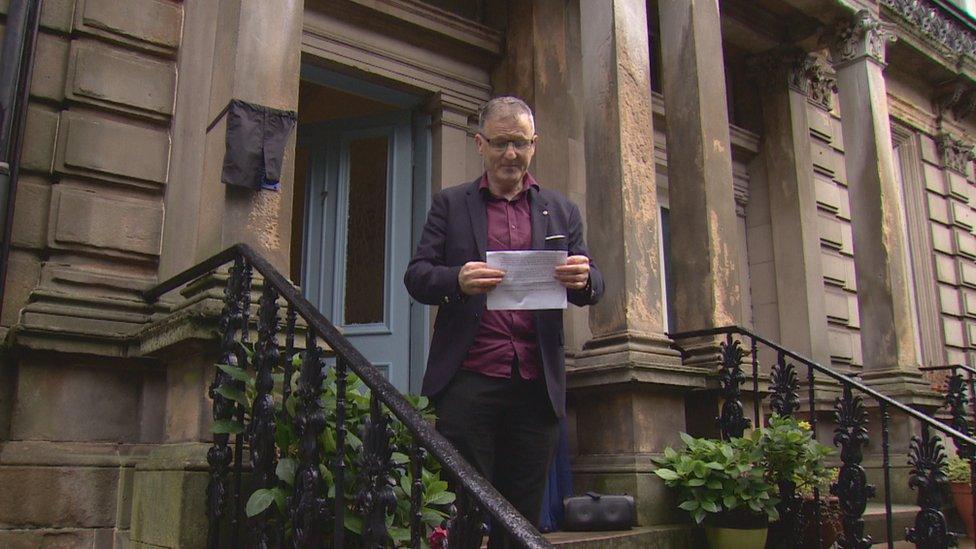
(411, 105)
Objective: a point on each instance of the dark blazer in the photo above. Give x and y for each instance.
(456, 232)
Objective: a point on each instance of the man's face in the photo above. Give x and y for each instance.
(507, 145)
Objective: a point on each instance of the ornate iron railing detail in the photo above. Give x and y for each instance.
(927, 458)
(376, 498)
(851, 435)
(732, 420)
(220, 454)
(852, 486)
(785, 388)
(261, 430)
(309, 484)
(309, 509)
(956, 401)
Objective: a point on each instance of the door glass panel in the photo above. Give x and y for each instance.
(366, 231)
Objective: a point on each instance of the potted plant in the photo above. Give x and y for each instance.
(830, 525)
(794, 462)
(957, 469)
(719, 484)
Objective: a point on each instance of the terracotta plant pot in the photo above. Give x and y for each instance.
(962, 498)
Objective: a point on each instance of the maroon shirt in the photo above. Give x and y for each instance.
(505, 334)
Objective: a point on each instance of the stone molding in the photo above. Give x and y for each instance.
(955, 153)
(933, 24)
(861, 35)
(805, 73)
(957, 96)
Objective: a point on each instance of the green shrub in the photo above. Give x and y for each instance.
(435, 499)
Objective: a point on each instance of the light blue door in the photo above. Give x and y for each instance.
(358, 230)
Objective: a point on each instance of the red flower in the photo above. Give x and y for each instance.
(438, 538)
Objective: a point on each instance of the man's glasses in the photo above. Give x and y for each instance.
(501, 144)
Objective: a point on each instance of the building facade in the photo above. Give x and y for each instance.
(803, 168)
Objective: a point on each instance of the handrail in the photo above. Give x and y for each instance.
(962, 367)
(505, 515)
(962, 437)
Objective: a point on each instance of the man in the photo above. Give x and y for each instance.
(497, 378)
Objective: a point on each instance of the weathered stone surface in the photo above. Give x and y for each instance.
(958, 186)
(48, 539)
(699, 166)
(58, 497)
(949, 300)
(965, 242)
(942, 239)
(962, 214)
(168, 509)
(953, 329)
(50, 396)
(935, 180)
(50, 63)
(154, 24)
(55, 14)
(834, 268)
(90, 144)
(31, 212)
(23, 271)
(938, 208)
(82, 217)
(39, 138)
(119, 79)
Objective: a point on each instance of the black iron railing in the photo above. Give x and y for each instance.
(926, 453)
(312, 503)
(959, 391)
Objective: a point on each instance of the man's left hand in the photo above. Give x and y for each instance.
(574, 273)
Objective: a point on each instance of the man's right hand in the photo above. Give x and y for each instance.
(476, 277)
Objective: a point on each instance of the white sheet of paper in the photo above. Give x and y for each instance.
(529, 281)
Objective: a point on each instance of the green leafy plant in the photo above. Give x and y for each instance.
(790, 453)
(435, 496)
(714, 476)
(743, 474)
(957, 469)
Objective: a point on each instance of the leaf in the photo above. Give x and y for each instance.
(441, 498)
(666, 474)
(259, 501)
(353, 523)
(432, 517)
(234, 372)
(399, 534)
(710, 506)
(399, 458)
(696, 482)
(286, 470)
(698, 515)
(435, 487)
(226, 427)
(279, 497)
(231, 393)
(689, 505)
(687, 439)
(729, 501)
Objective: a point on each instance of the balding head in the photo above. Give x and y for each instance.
(504, 107)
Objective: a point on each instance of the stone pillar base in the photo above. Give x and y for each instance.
(628, 403)
(169, 507)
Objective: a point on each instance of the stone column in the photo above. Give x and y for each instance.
(627, 386)
(786, 78)
(250, 50)
(235, 49)
(877, 211)
(704, 232)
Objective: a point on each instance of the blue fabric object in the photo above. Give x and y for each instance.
(559, 485)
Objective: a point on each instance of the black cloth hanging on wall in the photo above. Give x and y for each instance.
(256, 138)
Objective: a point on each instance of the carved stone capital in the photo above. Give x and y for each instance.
(955, 153)
(957, 96)
(803, 72)
(861, 35)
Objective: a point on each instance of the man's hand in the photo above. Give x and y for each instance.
(574, 274)
(476, 277)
